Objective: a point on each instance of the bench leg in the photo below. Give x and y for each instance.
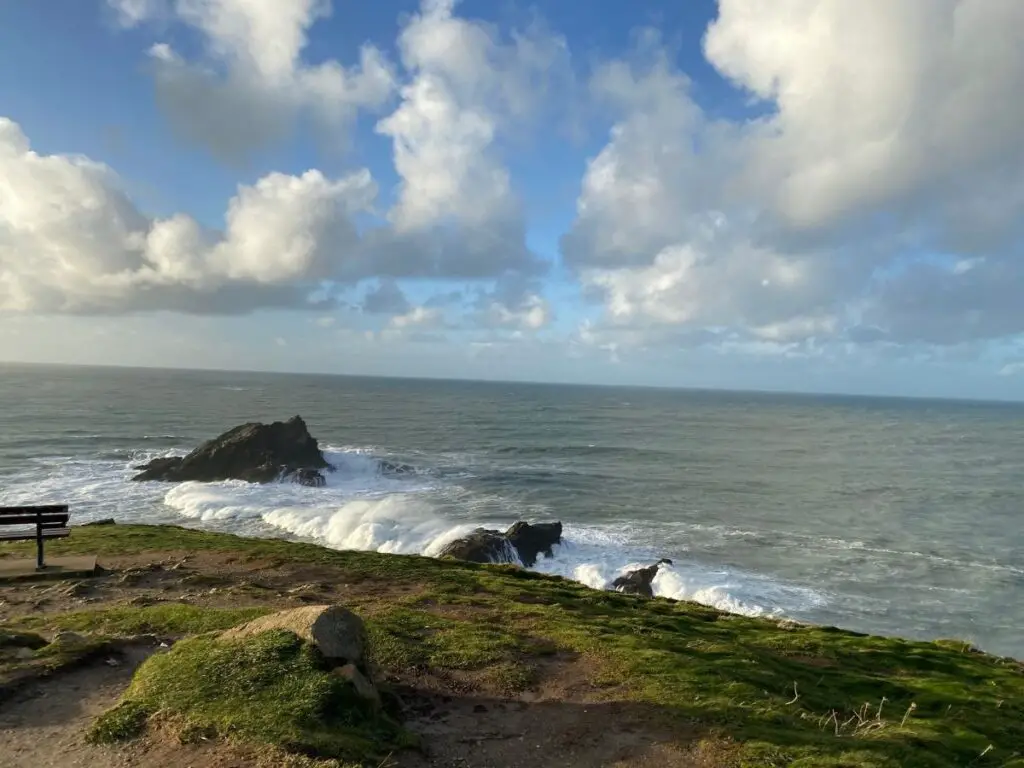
(39, 549)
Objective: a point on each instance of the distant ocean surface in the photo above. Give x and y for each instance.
(902, 517)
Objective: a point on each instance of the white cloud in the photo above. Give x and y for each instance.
(878, 103)
(531, 313)
(131, 13)
(883, 188)
(72, 241)
(254, 81)
(466, 87)
(418, 317)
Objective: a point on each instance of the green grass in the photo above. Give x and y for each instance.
(271, 689)
(160, 619)
(797, 696)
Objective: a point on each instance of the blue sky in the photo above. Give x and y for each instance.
(715, 194)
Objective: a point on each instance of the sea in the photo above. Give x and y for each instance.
(886, 516)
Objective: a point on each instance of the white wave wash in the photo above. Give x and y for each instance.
(363, 508)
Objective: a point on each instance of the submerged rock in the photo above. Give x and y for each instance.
(395, 468)
(257, 453)
(638, 582)
(522, 542)
(312, 478)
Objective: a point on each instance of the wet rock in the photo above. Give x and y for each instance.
(257, 453)
(531, 540)
(523, 542)
(482, 546)
(638, 582)
(395, 468)
(311, 478)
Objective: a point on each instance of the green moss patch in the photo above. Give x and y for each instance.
(271, 689)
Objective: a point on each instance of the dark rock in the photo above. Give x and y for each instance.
(395, 468)
(522, 542)
(532, 540)
(638, 582)
(482, 546)
(104, 521)
(257, 453)
(313, 478)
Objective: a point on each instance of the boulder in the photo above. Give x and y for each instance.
(482, 546)
(638, 582)
(312, 478)
(522, 542)
(336, 632)
(104, 521)
(532, 540)
(257, 453)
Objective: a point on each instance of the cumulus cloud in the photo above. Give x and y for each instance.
(72, 241)
(253, 82)
(879, 195)
(466, 86)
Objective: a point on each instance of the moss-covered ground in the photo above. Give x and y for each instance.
(778, 694)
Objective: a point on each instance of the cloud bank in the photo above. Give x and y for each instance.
(871, 196)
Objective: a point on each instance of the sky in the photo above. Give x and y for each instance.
(810, 195)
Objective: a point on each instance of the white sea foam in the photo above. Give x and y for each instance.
(365, 508)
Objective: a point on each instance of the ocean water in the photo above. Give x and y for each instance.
(880, 515)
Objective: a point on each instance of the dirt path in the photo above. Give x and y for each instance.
(44, 724)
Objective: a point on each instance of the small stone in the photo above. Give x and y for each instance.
(479, 708)
(359, 681)
(69, 639)
(76, 589)
(23, 654)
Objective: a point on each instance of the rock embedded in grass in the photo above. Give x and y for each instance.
(270, 688)
(336, 632)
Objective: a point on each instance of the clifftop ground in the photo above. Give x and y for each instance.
(490, 666)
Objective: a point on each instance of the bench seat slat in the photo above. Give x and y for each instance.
(48, 533)
(47, 519)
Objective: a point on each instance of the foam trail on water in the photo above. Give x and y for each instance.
(397, 523)
(363, 507)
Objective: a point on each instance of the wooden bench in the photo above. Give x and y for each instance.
(50, 521)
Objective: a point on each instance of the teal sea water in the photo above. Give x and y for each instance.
(880, 515)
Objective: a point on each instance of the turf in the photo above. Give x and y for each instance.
(782, 694)
(272, 689)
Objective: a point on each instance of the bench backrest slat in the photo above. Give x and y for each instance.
(34, 510)
(43, 515)
(45, 520)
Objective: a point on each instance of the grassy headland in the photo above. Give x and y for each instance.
(753, 692)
